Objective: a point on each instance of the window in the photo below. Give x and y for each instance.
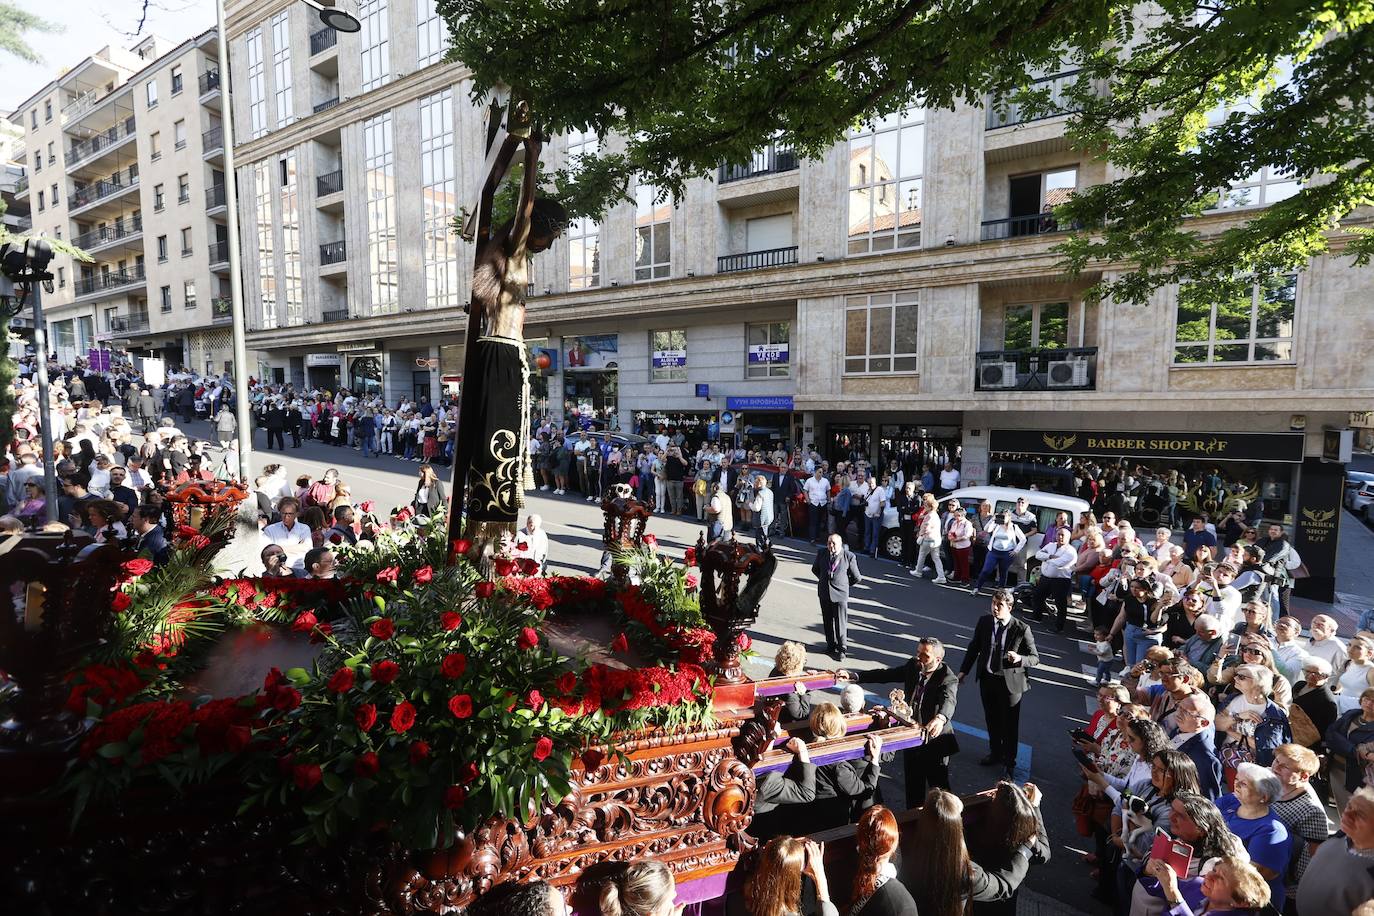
(37, 161)
(161, 248)
(1042, 325)
(61, 277)
(281, 69)
(47, 110)
(52, 152)
(267, 267)
(33, 119)
(257, 85)
(150, 92)
(155, 144)
(376, 46)
(1266, 185)
(668, 356)
(432, 34)
(1255, 326)
(880, 333)
(653, 234)
(159, 199)
(176, 80)
(886, 162)
(188, 292)
(438, 192)
(183, 188)
(166, 293)
(292, 296)
(179, 133)
(379, 180)
(186, 242)
(54, 195)
(42, 200)
(584, 234)
(767, 350)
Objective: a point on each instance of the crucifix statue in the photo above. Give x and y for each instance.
(491, 463)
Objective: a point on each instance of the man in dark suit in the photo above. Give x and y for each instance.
(932, 689)
(149, 539)
(1197, 738)
(1002, 650)
(836, 571)
(275, 422)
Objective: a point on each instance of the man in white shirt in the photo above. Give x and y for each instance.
(949, 479)
(817, 490)
(1057, 560)
(293, 536)
(873, 520)
(1324, 643)
(1223, 598)
(1291, 650)
(533, 541)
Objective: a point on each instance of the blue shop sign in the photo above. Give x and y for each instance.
(772, 402)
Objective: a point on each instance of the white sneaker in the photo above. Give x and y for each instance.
(940, 581)
(562, 492)
(543, 488)
(917, 573)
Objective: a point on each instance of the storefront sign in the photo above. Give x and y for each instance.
(703, 390)
(1363, 419)
(669, 359)
(1337, 445)
(1320, 489)
(727, 422)
(1281, 447)
(348, 345)
(322, 360)
(775, 353)
(773, 402)
(600, 351)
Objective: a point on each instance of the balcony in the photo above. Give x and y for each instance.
(333, 253)
(767, 161)
(222, 310)
(21, 225)
(325, 105)
(1004, 113)
(323, 40)
(127, 324)
(334, 315)
(219, 253)
(91, 148)
(1067, 369)
(106, 235)
(212, 142)
(1016, 226)
(21, 186)
(329, 183)
(214, 197)
(756, 260)
(209, 82)
(97, 191)
(99, 283)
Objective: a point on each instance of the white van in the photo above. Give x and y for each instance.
(1044, 504)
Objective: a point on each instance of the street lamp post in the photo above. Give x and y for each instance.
(24, 265)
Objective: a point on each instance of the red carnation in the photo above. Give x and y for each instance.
(461, 706)
(592, 758)
(382, 629)
(484, 589)
(366, 716)
(534, 699)
(120, 602)
(543, 748)
(620, 644)
(453, 665)
(402, 717)
(450, 620)
(529, 638)
(503, 566)
(419, 752)
(342, 681)
(744, 642)
(136, 567)
(462, 545)
(467, 773)
(424, 575)
(305, 622)
(390, 574)
(338, 539)
(367, 765)
(567, 682)
(384, 672)
(306, 776)
(455, 796)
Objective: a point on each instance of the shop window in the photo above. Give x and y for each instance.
(1042, 325)
(1256, 325)
(886, 162)
(768, 350)
(668, 356)
(880, 333)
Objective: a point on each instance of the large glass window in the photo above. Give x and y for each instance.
(438, 194)
(376, 43)
(267, 265)
(293, 296)
(1266, 185)
(584, 235)
(886, 162)
(257, 85)
(1041, 325)
(668, 356)
(431, 33)
(281, 68)
(1254, 326)
(880, 333)
(653, 234)
(768, 350)
(379, 177)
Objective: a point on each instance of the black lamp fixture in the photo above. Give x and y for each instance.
(333, 15)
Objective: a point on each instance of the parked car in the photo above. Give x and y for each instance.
(1369, 513)
(1356, 500)
(1044, 505)
(1355, 481)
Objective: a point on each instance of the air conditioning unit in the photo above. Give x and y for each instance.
(997, 375)
(1068, 373)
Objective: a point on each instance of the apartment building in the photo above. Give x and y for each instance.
(127, 164)
(897, 296)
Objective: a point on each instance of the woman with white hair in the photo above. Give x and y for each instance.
(1312, 697)
(1252, 723)
(1247, 814)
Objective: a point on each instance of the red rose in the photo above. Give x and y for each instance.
(592, 758)
(543, 748)
(402, 717)
(305, 622)
(186, 531)
(338, 539)
(136, 567)
(306, 776)
(650, 540)
(620, 644)
(382, 629)
(200, 542)
(534, 699)
(390, 574)
(321, 632)
(366, 505)
(744, 642)
(461, 706)
(453, 665)
(467, 773)
(419, 752)
(450, 620)
(503, 566)
(689, 556)
(366, 716)
(285, 698)
(527, 566)
(484, 589)
(567, 682)
(424, 575)
(455, 796)
(384, 672)
(367, 765)
(342, 681)
(120, 602)
(462, 545)
(529, 638)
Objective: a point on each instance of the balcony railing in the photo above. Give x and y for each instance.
(107, 234)
(333, 252)
(1016, 226)
(766, 161)
(92, 147)
(322, 40)
(99, 190)
(329, 183)
(214, 196)
(326, 104)
(212, 139)
(209, 81)
(755, 260)
(22, 224)
(1003, 113)
(21, 186)
(219, 252)
(1067, 369)
(115, 279)
(221, 310)
(334, 315)
(128, 324)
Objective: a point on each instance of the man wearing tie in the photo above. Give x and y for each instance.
(1002, 649)
(836, 571)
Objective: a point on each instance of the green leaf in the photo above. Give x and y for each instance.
(111, 751)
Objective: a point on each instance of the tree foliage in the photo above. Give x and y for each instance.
(14, 26)
(689, 86)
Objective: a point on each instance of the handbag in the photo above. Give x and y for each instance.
(1305, 731)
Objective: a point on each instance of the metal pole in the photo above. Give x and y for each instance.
(40, 345)
(245, 414)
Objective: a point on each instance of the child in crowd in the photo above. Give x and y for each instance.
(1106, 655)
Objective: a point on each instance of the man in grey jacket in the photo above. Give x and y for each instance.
(762, 507)
(836, 570)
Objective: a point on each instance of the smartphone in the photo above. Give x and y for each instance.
(1082, 757)
(1078, 734)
